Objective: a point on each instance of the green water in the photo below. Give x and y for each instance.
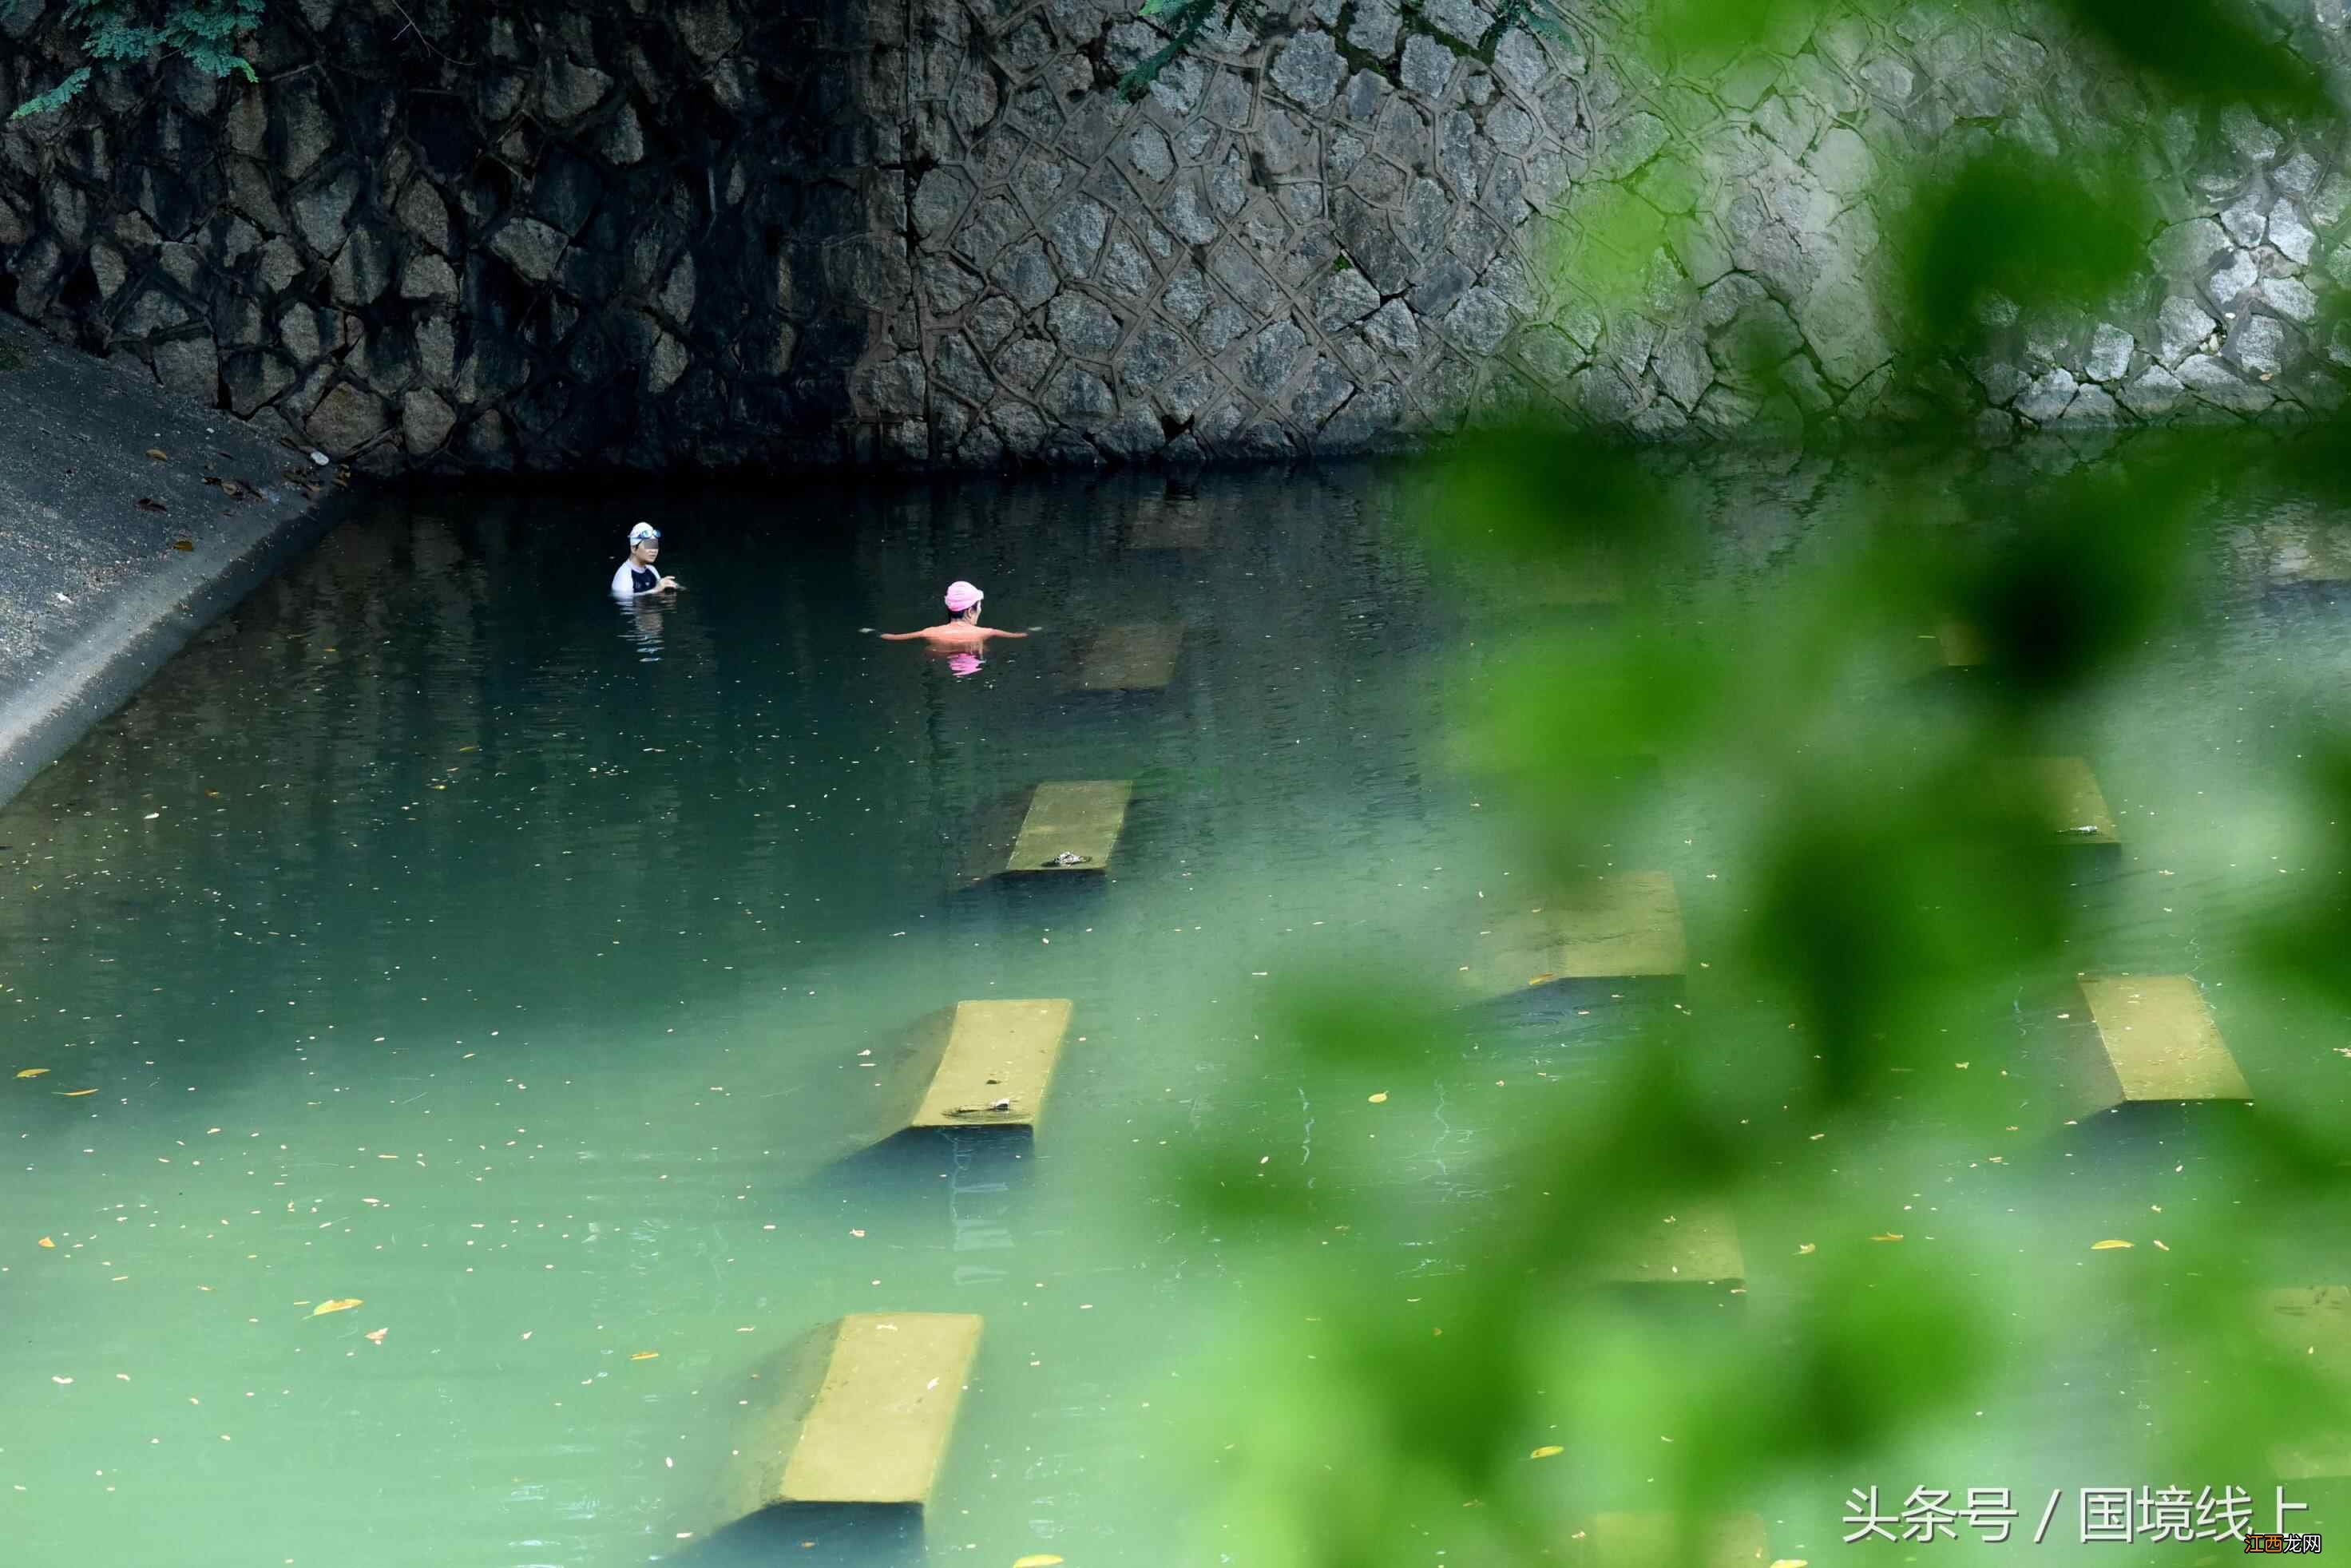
(438, 933)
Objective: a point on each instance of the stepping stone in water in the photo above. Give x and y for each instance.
(2062, 793)
(1623, 927)
(2311, 1323)
(1959, 644)
(1131, 658)
(1654, 1541)
(2305, 552)
(878, 1428)
(1071, 826)
(2157, 1043)
(1696, 1245)
(998, 1064)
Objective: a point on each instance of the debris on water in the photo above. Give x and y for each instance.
(321, 458)
(1068, 857)
(159, 454)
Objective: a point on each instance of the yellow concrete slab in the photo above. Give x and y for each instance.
(2063, 794)
(1621, 927)
(998, 1064)
(1656, 1541)
(1960, 645)
(1696, 1243)
(879, 1428)
(1171, 527)
(1079, 819)
(2311, 1323)
(2158, 1041)
(1131, 658)
(2305, 552)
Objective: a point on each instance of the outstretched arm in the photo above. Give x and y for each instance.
(994, 632)
(900, 637)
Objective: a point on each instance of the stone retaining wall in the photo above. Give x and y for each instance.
(929, 232)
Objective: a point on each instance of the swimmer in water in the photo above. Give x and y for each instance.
(961, 629)
(638, 576)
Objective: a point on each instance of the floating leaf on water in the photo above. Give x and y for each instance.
(1546, 1451)
(2110, 1245)
(2160, 1246)
(184, 544)
(55, 1379)
(78, 1094)
(343, 1304)
(32, 1072)
(150, 504)
(1791, 1562)
(1036, 1560)
(1381, 1098)
(47, 1241)
(1803, 1249)
(644, 1355)
(1890, 1236)
(159, 454)
(376, 1336)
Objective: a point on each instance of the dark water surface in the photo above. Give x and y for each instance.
(438, 933)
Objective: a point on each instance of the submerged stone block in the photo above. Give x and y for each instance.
(2158, 1042)
(998, 1064)
(1626, 926)
(1072, 827)
(1139, 658)
(878, 1429)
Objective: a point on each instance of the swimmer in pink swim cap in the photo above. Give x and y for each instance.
(961, 629)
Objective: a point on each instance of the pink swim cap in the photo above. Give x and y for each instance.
(961, 596)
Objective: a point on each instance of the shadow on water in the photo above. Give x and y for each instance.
(820, 1535)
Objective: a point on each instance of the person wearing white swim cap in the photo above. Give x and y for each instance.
(961, 629)
(638, 576)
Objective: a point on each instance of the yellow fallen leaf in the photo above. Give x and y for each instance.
(2106, 1246)
(1792, 1562)
(159, 454)
(1546, 1451)
(343, 1306)
(376, 1336)
(78, 1094)
(32, 1072)
(1381, 1098)
(1890, 1236)
(46, 1242)
(644, 1355)
(1803, 1249)
(1037, 1560)
(2160, 1246)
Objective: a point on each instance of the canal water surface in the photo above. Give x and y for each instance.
(437, 936)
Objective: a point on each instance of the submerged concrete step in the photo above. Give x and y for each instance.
(2311, 1324)
(2062, 794)
(2158, 1042)
(1696, 1243)
(1139, 658)
(1079, 818)
(1627, 926)
(1000, 1054)
(1656, 1541)
(879, 1428)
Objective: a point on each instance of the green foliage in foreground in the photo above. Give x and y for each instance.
(1857, 1046)
(205, 33)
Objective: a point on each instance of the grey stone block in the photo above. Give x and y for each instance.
(2110, 353)
(1309, 68)
(527, 246)
(1123, 270)
(1344, 298)
(2047, 396)
(1393, 329)
(1427, 66)
(1025, 273)
(2226, 284)
(1325, 389)
(2258, 343)
(2292, 236)
(1021, 364)
(1084, 325)
(2215, 384)
(1272, 356)
(1480, 322)
(2182, 324)
(1076, 233)
(1152, 357)
(1374, 28)
(1147, 151)
(2290, 297)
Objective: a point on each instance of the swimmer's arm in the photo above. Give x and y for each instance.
(900, 637)
(994, 632)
